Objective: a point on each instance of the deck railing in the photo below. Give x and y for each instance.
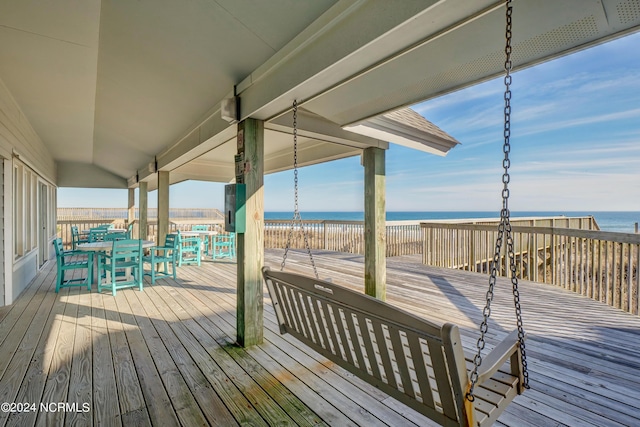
(110, 214)
(403, 237)
(64, 227)
(601, 265)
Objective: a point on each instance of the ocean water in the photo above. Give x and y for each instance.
(622, 222)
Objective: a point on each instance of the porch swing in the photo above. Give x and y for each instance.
(417, 361)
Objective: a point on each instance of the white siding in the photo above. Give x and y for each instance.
(17, 136)
(30, 162)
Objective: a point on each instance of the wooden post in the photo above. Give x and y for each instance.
(375, 233)
(163, 206)
(143, 200)
(131, 206)
(325, 244)
(249, 319)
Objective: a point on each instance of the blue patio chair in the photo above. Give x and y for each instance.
(115, 236)
(190, 251)
(205, 240)
(96, 234)
(165, 255)
(224, 246)
(72, 260)
(77, 238)
(130, 230)
(125, 255)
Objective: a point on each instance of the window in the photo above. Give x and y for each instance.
(18, 210)
(33, 205)
(25, 209)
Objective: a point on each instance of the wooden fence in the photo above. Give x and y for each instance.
(600, 265)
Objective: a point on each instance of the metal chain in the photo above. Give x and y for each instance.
(504, 227)
(296, 210)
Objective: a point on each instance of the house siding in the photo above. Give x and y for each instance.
(20, 146)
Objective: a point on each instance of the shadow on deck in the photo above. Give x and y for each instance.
(166, 356)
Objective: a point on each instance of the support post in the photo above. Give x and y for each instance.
(143, 200)
(375, 231)
(163, 206)
(131, 206)
(250, 171)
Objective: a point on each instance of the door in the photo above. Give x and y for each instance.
(43, 238)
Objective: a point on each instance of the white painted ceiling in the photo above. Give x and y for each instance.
(114, 84)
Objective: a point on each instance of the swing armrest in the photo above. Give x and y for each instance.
(498, 356)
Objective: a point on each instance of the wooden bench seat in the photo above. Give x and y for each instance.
(418, 362)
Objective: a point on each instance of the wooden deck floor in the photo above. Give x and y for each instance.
(166, 356)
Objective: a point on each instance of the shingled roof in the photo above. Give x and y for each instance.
(407, 128)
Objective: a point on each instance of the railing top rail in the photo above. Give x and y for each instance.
(513, 219)
(339, 222)
(611, 236)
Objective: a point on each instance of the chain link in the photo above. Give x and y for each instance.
(503, 229)
(296, 211)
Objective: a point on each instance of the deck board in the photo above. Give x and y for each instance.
(166, 356)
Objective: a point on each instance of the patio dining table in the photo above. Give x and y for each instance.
(201, 233)
(105, 246)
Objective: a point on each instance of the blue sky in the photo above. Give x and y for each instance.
(575, 147)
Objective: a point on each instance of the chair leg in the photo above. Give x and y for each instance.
(89, 271)
(140, 278)
(59, 279)
(152, 268)
(99, 273)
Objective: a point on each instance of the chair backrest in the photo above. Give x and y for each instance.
(115, 236)
(190, 242)
(57, 244)
(199, 228)
(126, 249)
(227, 239)
(172, 241)
(96, 234)
(130, 230)
(75, 236)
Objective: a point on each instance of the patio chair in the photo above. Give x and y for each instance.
(190, 250)
(72, 260)
(130, 230)
(205, 241)
(165, 255)
(115, 236)
(126, 255)
(77, 238)
(96, 234)
(224, 246)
